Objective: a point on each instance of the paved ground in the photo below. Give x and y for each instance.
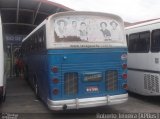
(21, 100)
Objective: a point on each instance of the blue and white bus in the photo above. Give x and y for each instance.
(77, 60)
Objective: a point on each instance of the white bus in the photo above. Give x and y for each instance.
(144, 58)
(2, 71)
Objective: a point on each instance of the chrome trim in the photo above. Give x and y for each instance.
(87, 102)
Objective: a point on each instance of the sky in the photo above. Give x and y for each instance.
(128, 10)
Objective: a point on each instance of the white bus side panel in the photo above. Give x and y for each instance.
(141, 80)
(144, 83)
(144, 61)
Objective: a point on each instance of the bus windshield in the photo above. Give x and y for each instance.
(84, 28)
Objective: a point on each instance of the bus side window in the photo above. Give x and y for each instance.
(139, 42)
(39, 40)
(22, 49)
(26, 46)
(127, 39)
(30, 44)
(36, 42)
(155, 42)
(145, 41)
(43, 39)
(132, 46)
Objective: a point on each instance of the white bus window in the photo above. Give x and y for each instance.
(155, 42)
(145, 41)
(133, 42)
(139, 42)
(127, 39)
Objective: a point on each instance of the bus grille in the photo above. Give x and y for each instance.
(111, 80)
(70, 83)
(151, 82)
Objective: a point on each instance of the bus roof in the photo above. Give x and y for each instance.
(86, 13)
(143, 24)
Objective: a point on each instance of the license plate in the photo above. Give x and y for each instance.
(92, 89)
(93, 77)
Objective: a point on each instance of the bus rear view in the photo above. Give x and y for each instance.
(86, 55)
(86, 61)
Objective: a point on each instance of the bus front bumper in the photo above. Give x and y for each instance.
(86, 102)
